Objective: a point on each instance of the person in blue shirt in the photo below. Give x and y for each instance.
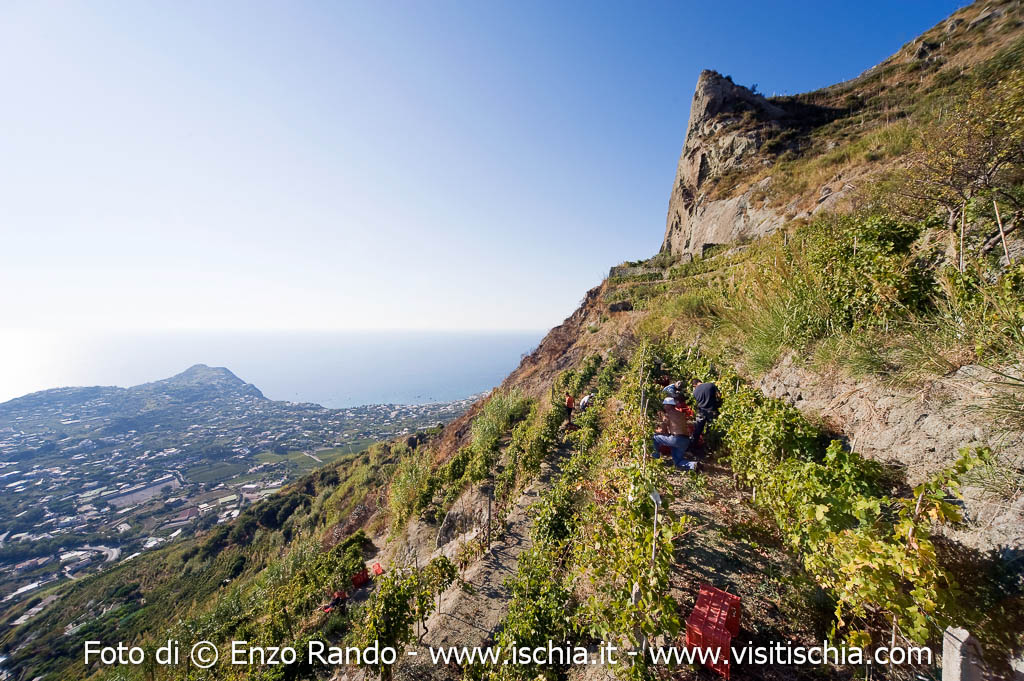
(674, 390)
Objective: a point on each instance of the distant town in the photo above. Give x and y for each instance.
(90, 477)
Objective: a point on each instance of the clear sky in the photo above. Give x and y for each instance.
(421, 165)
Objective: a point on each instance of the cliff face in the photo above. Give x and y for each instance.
(728, 125)
(749, 163)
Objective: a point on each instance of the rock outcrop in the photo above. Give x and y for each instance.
(920, 433)
(728, 125)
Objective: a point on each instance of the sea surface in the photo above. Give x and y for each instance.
(332, 369)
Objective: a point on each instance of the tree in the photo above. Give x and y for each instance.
(974, 152)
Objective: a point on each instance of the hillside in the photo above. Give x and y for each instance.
(96, 475)
(834, 262)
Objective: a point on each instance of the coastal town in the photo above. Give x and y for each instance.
(91, 477)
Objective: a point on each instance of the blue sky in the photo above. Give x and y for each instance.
(420, 165)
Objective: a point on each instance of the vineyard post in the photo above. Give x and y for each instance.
(490, 493)
(1002, 234)
(643, 416)
(637, 629)
(963, 212)
(419, 584)
(656, 498)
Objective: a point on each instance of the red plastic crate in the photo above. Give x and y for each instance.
(377, 570)
(712, 624)
(727, 606)
(665, 451)
(360, 578)
(711, 638)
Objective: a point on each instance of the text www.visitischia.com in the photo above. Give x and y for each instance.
(777, 653)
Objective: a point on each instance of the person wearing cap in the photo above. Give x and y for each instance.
(674, 432)
(674, 390)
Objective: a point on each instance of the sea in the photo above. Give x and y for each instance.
(333, 369)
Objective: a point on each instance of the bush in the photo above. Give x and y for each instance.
(863, 270)
(575, 380)
(499, 413)
(834, 276)
(410, 479)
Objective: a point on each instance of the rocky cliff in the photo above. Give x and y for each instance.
(751, 163)
(728, 125)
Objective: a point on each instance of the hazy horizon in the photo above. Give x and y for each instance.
(361, 166)
(334, 369)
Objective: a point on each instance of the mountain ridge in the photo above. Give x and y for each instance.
(195, 376)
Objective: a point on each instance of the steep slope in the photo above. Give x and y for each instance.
(714, 307)
(728, 125)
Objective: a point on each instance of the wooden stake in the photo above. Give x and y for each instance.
(963, 212)
(1002, 234)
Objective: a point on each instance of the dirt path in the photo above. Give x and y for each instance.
(729, 546)
(471, 617)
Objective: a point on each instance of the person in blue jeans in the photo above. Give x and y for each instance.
(678, 444)
(673, 432)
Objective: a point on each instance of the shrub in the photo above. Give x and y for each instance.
(834, 276)
(411, 476)
(863, 269)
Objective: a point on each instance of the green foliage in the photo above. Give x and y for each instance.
(976, 149)
(865, 272)
(575, 380)
(835, 276)
(630, 588)
(402, 596)
(411, 478)
(556, 516)
(453, 470)
(871, 551)
(987, 307)
(389, 617)
(499, 413)
(542, 606)
(540, 610)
